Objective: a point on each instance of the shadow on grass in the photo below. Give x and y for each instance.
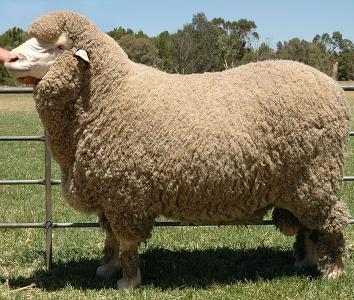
(174, 269)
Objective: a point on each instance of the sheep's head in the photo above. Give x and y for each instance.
(50, 37)
(64, 82)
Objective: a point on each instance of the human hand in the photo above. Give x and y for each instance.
(5, 56)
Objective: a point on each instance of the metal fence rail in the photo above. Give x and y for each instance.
(48, 182)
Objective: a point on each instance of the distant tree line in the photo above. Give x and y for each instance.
(214, 45)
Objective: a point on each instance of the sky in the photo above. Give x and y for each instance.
(276, 20)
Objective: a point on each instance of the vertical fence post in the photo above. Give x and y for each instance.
(48, 203)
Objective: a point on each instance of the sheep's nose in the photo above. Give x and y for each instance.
(12, 57)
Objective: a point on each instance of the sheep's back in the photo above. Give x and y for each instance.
(263, 104)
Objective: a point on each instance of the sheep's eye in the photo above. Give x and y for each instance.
(61, 47)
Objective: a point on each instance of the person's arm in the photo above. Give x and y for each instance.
(4, 54)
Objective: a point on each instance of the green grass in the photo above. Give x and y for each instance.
(252, 262)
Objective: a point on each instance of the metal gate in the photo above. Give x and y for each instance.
(48, 182)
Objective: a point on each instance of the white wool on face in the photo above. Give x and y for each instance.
(34, 59)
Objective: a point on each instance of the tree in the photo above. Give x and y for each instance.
(265, 52)
(341, 52)
(197, 46)
(204, 46)
(12, 38)
(117, 33)
(141, 50)
(237, 38)
(310, 53)
(166, 51)
(256, 41)
(346, 66)
(184, 49)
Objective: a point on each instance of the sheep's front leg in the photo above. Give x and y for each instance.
(111, 265)
(129, 258)
(305, 249)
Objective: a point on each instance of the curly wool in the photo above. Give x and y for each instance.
(202, 148)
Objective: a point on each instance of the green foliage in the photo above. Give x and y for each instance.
(166, 51)
(235, 39)
(202, 44)
(346, 66)
(140, 49)
(310, 53)
(117, 33)
(264, 51)
(341, 52)
(206, 46)
(5, 77)
(12, 38)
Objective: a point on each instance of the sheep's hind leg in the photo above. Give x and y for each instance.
(323, 237)
(329, 225)
(130, 265)
(111, 265)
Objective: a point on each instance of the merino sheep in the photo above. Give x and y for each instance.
(134, 143)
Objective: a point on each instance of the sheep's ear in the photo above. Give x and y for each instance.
(82, 54)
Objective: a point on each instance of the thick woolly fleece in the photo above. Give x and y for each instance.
(134, 143)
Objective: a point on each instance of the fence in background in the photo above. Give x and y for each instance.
(48, 182)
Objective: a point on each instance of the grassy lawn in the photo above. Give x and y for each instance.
(252, 262)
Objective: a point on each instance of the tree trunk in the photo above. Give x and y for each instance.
(335, 70)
